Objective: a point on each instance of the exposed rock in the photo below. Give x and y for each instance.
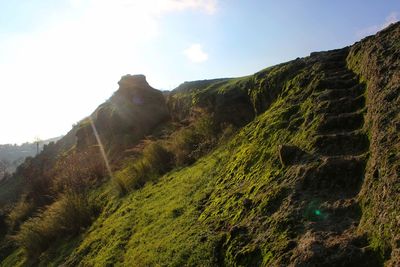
(131, 113)
(231, 105)
(129, 81)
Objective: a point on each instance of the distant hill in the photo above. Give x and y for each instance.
(295, 165)
(12, 155)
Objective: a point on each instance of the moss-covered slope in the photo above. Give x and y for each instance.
(377, 60)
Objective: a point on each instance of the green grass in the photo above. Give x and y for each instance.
(190, 216)
(17, 259)
(154, 225)
(69, 215)
(195, 215)
(233, 206)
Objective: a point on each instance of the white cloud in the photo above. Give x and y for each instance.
(208, 6)
(152, 6)
(391, 18)
(195, 53)
(76, 3)
(57, 74)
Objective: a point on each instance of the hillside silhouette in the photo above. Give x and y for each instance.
(12, 155)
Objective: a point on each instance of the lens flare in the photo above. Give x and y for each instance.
(102, 151)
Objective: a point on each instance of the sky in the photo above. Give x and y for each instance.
(60, 59)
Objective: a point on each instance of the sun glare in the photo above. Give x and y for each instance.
(57, 74)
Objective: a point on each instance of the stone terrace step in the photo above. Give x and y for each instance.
(338, 56)
(352, 143)
(342, 71)
(336, 94)
(334, 65)
(336, 173)
(337, 83)
(347, 75)
(342, 105)
(341, 122)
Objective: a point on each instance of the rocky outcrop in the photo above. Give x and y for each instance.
(130, 114)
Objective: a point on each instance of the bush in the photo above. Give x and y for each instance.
(155, 161)
(73, 212)
(34, 238)
(158, 158)
(78, 171)
(133, 177)
(69, 215)
(192, 142)
(206, 128)
(185, 147)
(228, 130)
(19, 213)
(184, 142)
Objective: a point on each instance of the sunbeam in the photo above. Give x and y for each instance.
(102, 151)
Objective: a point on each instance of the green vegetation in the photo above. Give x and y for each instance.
(372, 58)
(19, 213)
(69, 215)
(155, 160)
(288, 166)
(182, 147)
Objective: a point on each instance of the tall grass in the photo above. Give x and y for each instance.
(69, 215)
(192, 142)
(182, 148)
(155, 161)
(19, 213)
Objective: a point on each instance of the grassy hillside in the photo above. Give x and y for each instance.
(296, 165)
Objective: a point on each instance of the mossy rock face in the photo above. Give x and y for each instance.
(336, 174)
(376, 60)
(314, 252)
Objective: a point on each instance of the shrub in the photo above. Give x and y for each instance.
(19, 213)
(157, 157)
(79, 170)
(184, 142)
(70, 214)
(206, 128)
(228, 130)
(155, 161)
(33, 237)
(185, 146)
(134, 176)
(73, 212)
(192, 142)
